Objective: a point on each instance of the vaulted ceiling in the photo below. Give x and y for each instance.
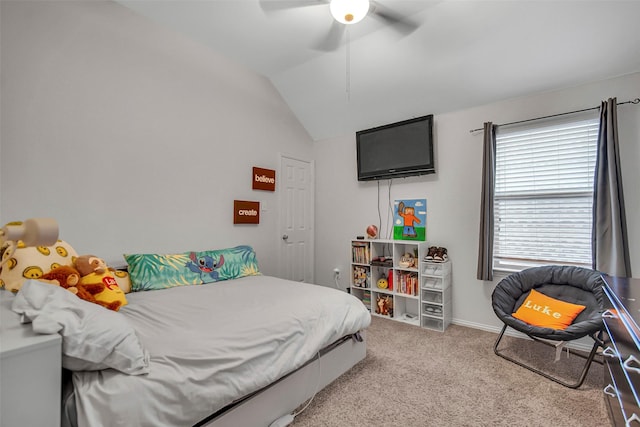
(463, 53)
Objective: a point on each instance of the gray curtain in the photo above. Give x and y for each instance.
(485, 247)
(609, 240)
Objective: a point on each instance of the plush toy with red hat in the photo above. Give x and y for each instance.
(93, 270)
(69, 278)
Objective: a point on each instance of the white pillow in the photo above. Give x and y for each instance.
(93, 338)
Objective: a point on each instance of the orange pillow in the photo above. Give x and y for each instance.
(541, 310)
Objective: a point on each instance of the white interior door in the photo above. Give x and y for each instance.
(296, 219)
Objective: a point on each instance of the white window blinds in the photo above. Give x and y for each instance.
(544, 194)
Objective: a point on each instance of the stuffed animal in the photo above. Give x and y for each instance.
(360, 277)
(407, 261)
(69, 278)
(93, 270)
(384, 305)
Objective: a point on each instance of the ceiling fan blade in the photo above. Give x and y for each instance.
(269, 6)
(333, 38)
(402, 24)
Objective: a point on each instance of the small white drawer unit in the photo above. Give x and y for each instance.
(435, 294)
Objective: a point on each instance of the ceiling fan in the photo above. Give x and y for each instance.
(345, 12)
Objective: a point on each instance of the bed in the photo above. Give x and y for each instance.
(238, 352)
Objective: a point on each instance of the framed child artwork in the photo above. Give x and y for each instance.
(410, 219)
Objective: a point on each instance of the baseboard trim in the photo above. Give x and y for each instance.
(576, 345)
(481, 326)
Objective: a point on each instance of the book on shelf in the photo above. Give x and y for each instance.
(360, 253)
(408, 283)
(366, 299)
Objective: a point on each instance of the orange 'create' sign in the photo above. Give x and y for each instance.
(245, 212)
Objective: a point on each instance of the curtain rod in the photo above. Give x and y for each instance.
(635, 101)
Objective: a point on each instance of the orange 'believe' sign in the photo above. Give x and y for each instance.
(264, 179)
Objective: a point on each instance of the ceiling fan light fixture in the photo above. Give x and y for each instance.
(349, 11)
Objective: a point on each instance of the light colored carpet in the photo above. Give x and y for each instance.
(413, 377)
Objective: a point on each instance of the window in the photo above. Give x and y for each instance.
(544, 194)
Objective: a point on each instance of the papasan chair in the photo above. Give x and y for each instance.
(573, 285)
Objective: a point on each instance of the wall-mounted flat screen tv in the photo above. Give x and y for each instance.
(396, 150)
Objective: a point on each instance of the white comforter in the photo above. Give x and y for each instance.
(210, 345)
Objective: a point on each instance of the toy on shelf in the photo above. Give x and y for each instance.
(360, 277)
(372, 231)
(384, 305)
(407, 261)
(383, 283)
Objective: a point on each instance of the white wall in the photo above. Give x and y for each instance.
(137, 139)
(133, 137)
(344, 207)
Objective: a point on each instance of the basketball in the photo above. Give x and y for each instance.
(372, 231)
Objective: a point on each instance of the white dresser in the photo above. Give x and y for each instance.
(30, 372)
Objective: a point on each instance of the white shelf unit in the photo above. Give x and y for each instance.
(435, 294)
(372, 260)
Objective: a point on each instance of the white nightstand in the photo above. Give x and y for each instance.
(30, 372)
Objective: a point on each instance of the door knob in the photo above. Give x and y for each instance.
(285, 237)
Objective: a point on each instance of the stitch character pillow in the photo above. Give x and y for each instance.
(161, 271)
(93, 270)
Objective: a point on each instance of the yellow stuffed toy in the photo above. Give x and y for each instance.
(68, 278)
(94, 270)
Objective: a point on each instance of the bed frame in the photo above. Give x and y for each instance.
(282, 397)
(291, 391)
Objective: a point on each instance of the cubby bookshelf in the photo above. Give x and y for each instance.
(414, 291)
(397, 297)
